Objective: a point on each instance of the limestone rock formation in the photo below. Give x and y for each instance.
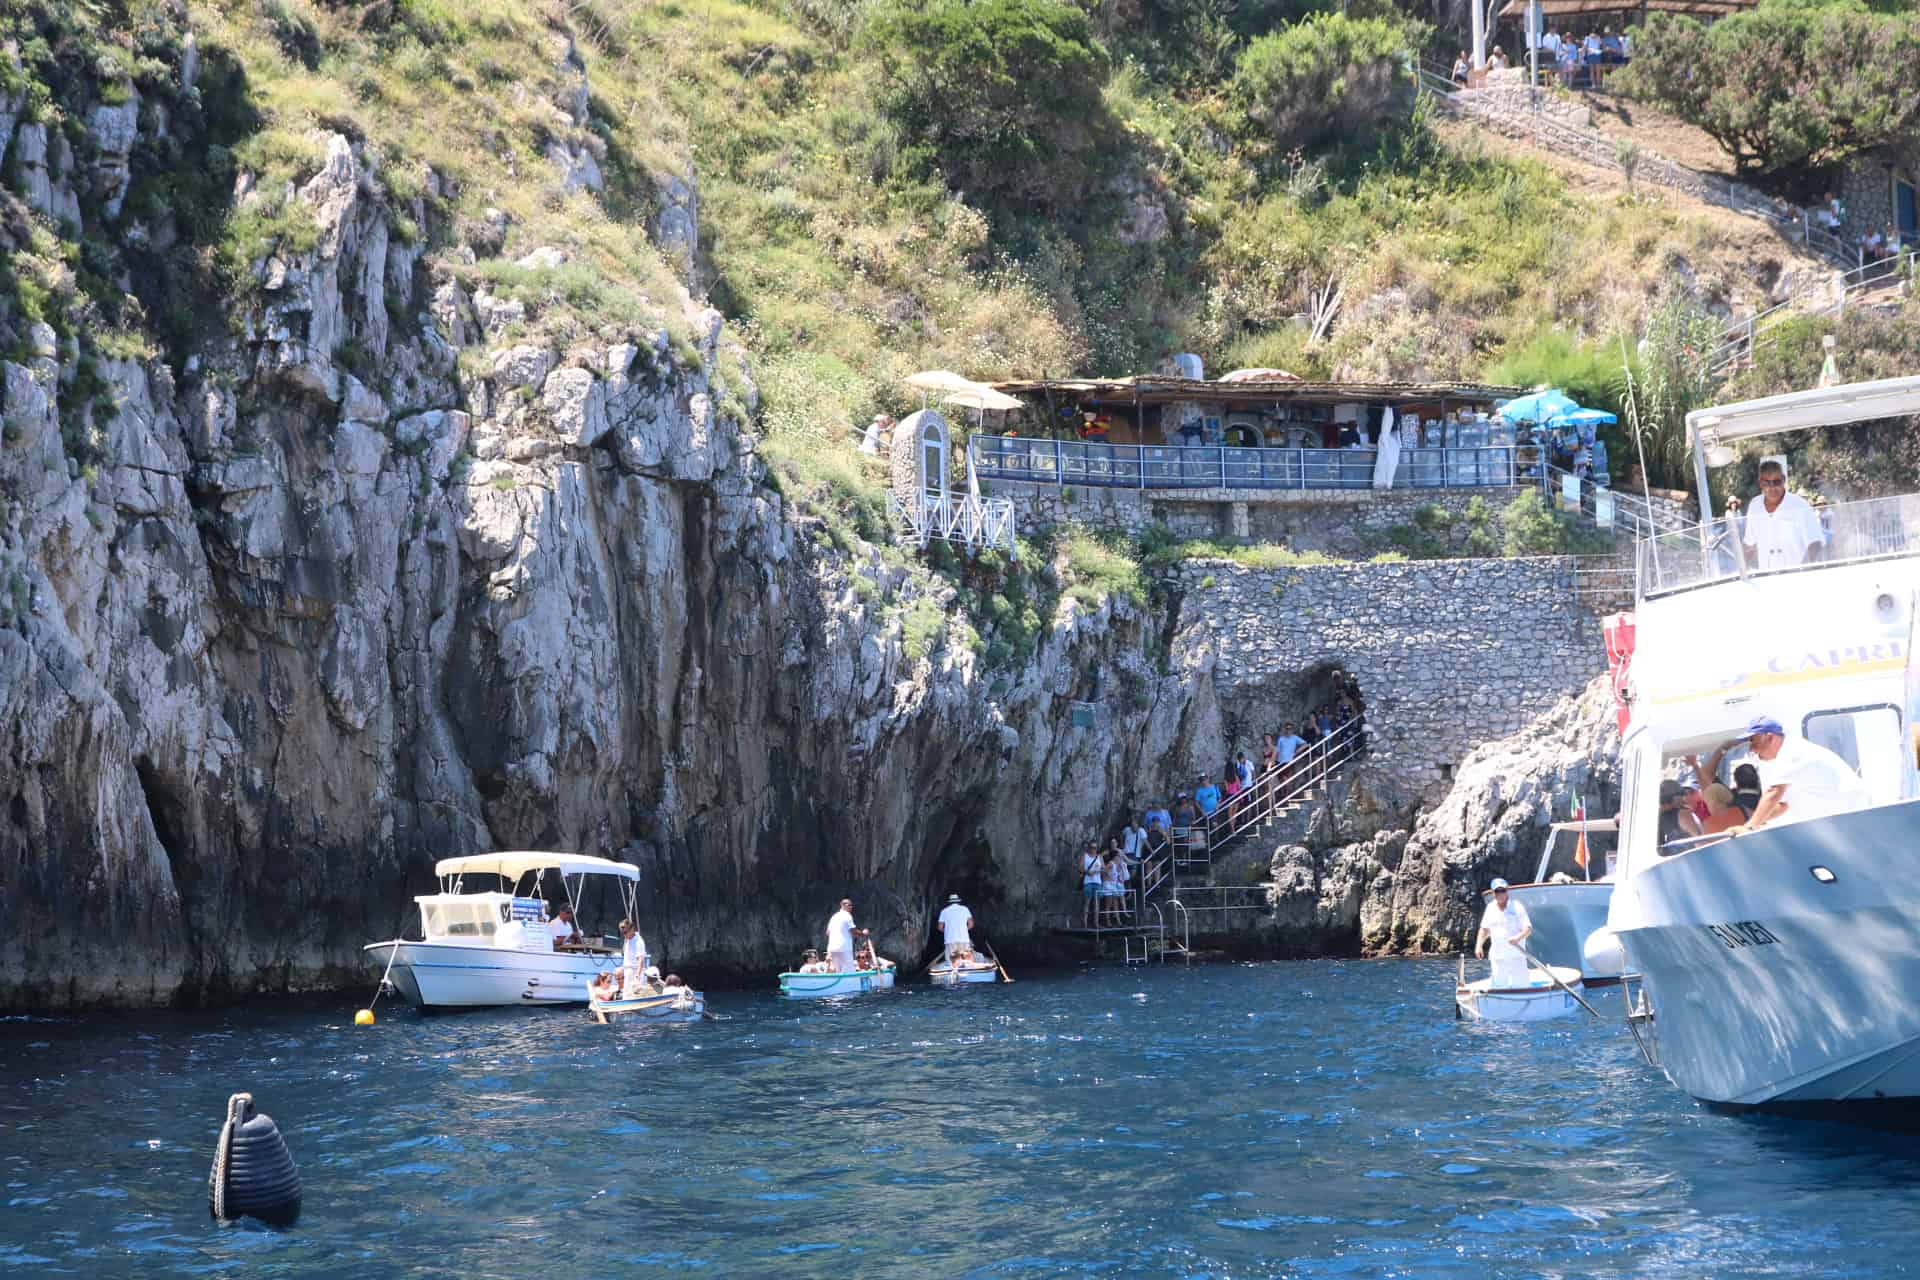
(1493, 821)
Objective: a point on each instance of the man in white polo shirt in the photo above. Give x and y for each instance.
(1783, 531)
(1800, 779)
(954, 923)
(1505, 924)
(840, 935)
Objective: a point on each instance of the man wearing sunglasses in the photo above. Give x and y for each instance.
(1783, 530)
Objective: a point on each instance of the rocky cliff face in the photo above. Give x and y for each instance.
(1371, 873)
(300, 628)
(387, 556)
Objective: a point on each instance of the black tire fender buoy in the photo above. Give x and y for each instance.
(253, 1172)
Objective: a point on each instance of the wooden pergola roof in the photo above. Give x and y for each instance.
(1574, 8)
(1155, 390)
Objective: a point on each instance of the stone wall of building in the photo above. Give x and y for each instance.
(1448, 654)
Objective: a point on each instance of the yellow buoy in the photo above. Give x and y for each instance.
(364, 1018)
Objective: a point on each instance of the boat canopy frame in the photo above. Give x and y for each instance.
(512, 866)
(1720, 425)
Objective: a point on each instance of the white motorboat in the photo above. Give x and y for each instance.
(1569, 911)
(483, 949)
(974, 969)
(854, 982)
(1779, 965)
(655, 1005)
(1540, 999)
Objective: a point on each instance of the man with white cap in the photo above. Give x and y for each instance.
(1505, 923)
(1800, 779)
(954, 923)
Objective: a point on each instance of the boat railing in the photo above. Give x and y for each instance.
(1703, 554)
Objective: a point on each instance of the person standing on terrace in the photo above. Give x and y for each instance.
(1783, 531)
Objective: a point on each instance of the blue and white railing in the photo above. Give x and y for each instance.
(1139, 466)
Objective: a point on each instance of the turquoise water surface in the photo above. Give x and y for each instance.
(1314, 1119)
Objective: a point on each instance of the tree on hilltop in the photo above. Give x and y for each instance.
(1786, 89)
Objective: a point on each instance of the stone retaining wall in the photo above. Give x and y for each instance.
(1345, 522)
(1449, 654)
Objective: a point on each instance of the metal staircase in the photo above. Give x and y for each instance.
(1175, 879)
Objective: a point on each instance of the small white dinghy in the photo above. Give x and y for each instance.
(968, 969)
(803, 986)
(1540, 999)
(656, 1004)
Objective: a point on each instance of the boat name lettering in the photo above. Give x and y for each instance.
(1886, 651)
(1741, 933)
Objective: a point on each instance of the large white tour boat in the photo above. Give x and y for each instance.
(1779, 964)
(495, 947)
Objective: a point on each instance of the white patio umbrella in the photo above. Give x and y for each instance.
(983, 397)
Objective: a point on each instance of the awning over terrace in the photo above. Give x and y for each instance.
(1160, 391)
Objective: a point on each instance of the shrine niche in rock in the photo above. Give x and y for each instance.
(920, 496)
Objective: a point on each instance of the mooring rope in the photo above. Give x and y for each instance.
(236, 1111)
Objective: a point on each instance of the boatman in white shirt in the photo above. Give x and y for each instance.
(1505, 923)
(840, 936)
(633, 956)
(1783, 531)
(954, 923)
(1800, 779)
(565, 932)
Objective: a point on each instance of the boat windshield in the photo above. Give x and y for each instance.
(1872, 529)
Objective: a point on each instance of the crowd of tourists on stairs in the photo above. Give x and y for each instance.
(1107, 875)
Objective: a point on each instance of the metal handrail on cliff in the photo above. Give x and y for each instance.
(1275, 789)
(1737, 342)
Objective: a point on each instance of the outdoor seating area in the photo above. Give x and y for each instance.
(1285, 434)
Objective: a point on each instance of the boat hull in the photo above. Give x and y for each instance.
(1564, 916)
(1774, 986)
(652, 1008)
(811, 986)
(440, 975)
(1483, 1002)
(942, 974)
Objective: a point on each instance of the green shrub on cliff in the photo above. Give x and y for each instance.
(1094, 568)
(1327, 76)
(1004, 95)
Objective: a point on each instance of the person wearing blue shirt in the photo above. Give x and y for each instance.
(1158, 816)
(1207, 796)
(1288, 745)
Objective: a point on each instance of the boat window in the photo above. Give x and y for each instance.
(433, 920)
(1868, 739)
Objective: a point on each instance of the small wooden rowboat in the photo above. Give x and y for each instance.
(804, 986)
(1540, 999)
(683, 1005)
(942, 973)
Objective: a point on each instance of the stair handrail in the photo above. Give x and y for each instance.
(1280, 785)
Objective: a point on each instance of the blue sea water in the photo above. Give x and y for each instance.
(1315, 1119)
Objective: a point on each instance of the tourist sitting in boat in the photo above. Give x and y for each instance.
(682, 994)
(812, 963)
(565, 932)
(1676, 815)
(606, 986)
(1746, 787)
(1722, 813)
(1802, 779)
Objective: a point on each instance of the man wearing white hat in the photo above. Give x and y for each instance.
(1505, 923)
(954, 923)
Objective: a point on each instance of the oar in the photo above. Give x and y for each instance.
(1004, 975)
(1548, 970)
